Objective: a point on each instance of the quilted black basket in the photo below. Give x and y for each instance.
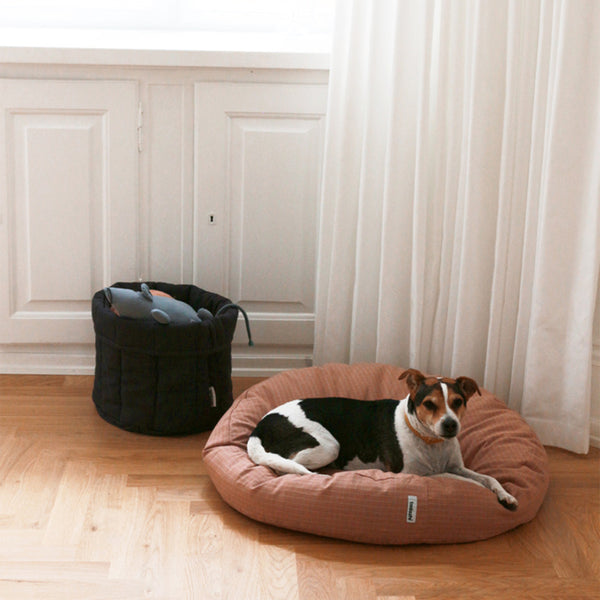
(164, 379)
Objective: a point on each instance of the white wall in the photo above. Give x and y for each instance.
(110, 173)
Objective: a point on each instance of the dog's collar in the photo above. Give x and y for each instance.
(428, 440)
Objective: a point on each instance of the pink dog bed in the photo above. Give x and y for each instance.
(374, 506)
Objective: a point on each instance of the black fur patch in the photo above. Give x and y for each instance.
(278, 435)
(364, 429)
(422, 393)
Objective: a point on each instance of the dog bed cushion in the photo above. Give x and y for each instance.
(374, 506)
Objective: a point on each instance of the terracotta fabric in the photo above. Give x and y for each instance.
(371, 506)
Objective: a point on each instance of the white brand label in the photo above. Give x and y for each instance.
(411, 511)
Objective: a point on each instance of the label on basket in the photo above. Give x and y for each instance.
(213, 396)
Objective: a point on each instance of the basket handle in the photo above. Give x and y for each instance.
(232, 305)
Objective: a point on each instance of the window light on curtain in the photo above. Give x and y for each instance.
(460, 219)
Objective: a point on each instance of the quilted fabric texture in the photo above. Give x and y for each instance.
(157, 379)
(373, 506)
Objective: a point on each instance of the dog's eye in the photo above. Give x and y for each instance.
(429, 405)
(457, 403)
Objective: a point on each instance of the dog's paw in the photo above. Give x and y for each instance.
(508, 501)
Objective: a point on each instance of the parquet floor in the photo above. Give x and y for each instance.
(88, 511)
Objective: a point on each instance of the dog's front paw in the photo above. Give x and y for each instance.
(508, 501)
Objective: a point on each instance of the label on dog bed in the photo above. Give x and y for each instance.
(411, 511)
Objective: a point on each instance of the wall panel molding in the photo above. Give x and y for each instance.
(69, 189)
(81, 207)
(258, 156)
(169, 135)
(58, 180)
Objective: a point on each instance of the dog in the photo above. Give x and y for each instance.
(415, 435)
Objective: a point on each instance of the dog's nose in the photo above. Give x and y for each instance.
(449, 427)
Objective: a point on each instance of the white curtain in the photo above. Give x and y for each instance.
(461, 198)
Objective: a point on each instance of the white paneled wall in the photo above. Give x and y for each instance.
(207, 176)
(258, 164)
(68, 195)
(168, 144)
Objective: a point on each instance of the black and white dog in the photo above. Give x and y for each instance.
(416, 435)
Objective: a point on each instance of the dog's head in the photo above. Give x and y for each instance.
(439, 402)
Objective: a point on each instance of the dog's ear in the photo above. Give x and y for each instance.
(413, 378)
(468, 386)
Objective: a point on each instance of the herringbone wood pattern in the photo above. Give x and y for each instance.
(88, 511)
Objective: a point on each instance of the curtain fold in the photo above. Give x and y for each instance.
(460, 202)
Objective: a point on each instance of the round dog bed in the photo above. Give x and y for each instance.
(163, 379)
(374, 506)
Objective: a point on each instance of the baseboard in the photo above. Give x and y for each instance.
(264, 361)
(595, 433)
(247, 362)
(58, 359)
(80, 360)
(595, 408)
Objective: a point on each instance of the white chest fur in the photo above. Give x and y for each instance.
(421, 458)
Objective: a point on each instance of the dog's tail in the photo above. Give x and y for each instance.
(276, 462)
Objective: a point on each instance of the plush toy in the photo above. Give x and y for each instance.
(161, 307)
(144, 304)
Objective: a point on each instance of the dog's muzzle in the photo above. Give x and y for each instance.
(449, 427)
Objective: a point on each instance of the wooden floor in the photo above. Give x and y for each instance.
(88, 511)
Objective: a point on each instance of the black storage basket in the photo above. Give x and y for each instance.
(163, 379)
